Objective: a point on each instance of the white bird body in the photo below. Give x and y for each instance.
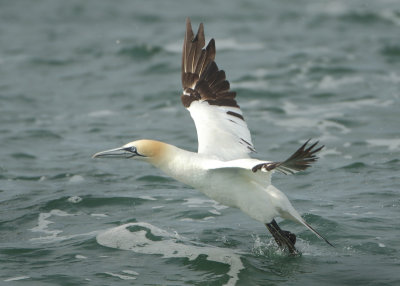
(232, 183)
(222, 168)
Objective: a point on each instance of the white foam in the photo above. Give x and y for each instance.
(357, 207)
(215, 212)
(218, 206)
(334, 8)
(331, 109)
(149, 198)
(196, 202)
(169, 247)
(329, 82)
(233, 44)
(121, 276)
(186, 219)
(76, 179)
(393, 77)
(43, 222)
(325, 124)
(259, 84)
(17, 278)
(223, 44)
(52, 235)
(100, 113)
(203, 203)
(80, 256)
(99, 215)
(350, 214)
(332, 151)
(74, 199)
(391, 144)
(131, 272)
(319, 117)
(390, 15)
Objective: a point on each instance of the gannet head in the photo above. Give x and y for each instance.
(147, 150)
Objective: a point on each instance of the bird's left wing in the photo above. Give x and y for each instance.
(298, 161)
(221, 129)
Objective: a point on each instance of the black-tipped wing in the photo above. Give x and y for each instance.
(299, 161)
(195, 60)
(221, 129)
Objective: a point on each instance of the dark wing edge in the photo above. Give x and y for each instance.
(201, 78)
(299, 161)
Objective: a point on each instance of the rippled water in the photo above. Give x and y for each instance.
(77, 77)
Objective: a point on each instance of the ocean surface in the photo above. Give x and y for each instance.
(78, 77)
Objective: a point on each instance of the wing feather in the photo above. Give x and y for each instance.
(298, 161)
(221, 128)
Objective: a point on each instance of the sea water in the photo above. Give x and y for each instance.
(78, 77)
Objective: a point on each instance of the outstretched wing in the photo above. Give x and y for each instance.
(299, 161)
(221, 128)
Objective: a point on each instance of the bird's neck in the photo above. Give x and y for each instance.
(182, 165)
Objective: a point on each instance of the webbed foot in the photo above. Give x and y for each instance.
(285, 239)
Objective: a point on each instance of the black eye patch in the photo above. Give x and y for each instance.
(134, 151)
(131, 149)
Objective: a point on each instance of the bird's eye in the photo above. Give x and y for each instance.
(131, 149)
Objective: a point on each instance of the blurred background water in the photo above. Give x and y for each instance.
(77, 77)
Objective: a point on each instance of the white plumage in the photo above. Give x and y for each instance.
(218, 133)
(222, 168)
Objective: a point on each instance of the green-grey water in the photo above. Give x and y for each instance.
(77, 77)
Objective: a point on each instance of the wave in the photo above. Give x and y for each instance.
(227, 44)
(140, 51)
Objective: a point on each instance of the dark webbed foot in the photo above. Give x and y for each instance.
(285, 239)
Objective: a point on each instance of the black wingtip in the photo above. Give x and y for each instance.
(303, 157)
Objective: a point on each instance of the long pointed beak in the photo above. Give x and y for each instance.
(116, 152)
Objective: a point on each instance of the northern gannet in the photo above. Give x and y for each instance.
(222, 168)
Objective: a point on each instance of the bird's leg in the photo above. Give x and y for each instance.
(285, 239)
